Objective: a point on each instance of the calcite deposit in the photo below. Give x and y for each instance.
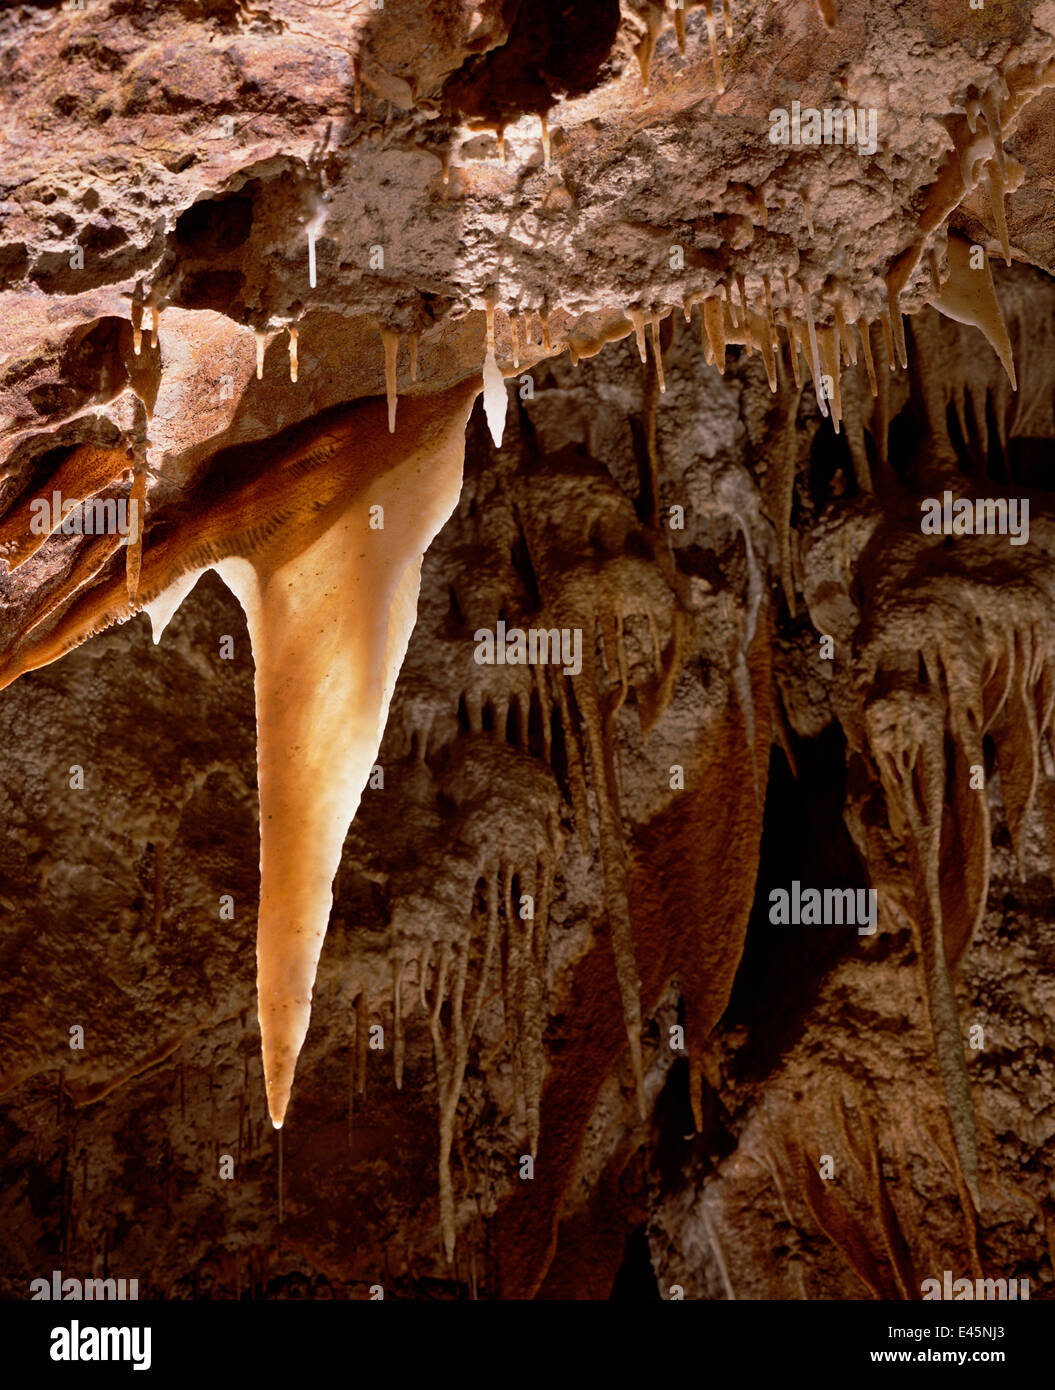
(482, 509)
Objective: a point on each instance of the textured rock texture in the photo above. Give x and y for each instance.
(719, 430)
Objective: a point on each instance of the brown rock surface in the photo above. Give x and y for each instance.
(701, 530)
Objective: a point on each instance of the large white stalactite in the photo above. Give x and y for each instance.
(330, 610)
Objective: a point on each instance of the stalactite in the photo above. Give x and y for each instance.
(137, 502)
(807, 210)
(679, 29)
(390, 342)
(84, 473)
(997, 195)
(828, 344)
(637, 318)
(646, 48)
(451, 1061)
(514, 333)
(745, 315)
(413, 343)
(864, 329)
(712, 37)
(765, 338)
(793, 346)
(911, 764)
(326, 698)
(897, 322)
(362, 1038)
(968, 297)
(496, 398)
(657, 351)
(613, 856)
(888, 338)
(398, 1039)
(260, 344)
(714, 322)
(293, 364)
(815, 364)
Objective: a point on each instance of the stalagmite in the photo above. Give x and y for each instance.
(657, 350)
(293, 335)
(637, 318)
(390, 341)
(968, 297)
(260, 344)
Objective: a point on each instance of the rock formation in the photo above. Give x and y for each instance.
(493, 499)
